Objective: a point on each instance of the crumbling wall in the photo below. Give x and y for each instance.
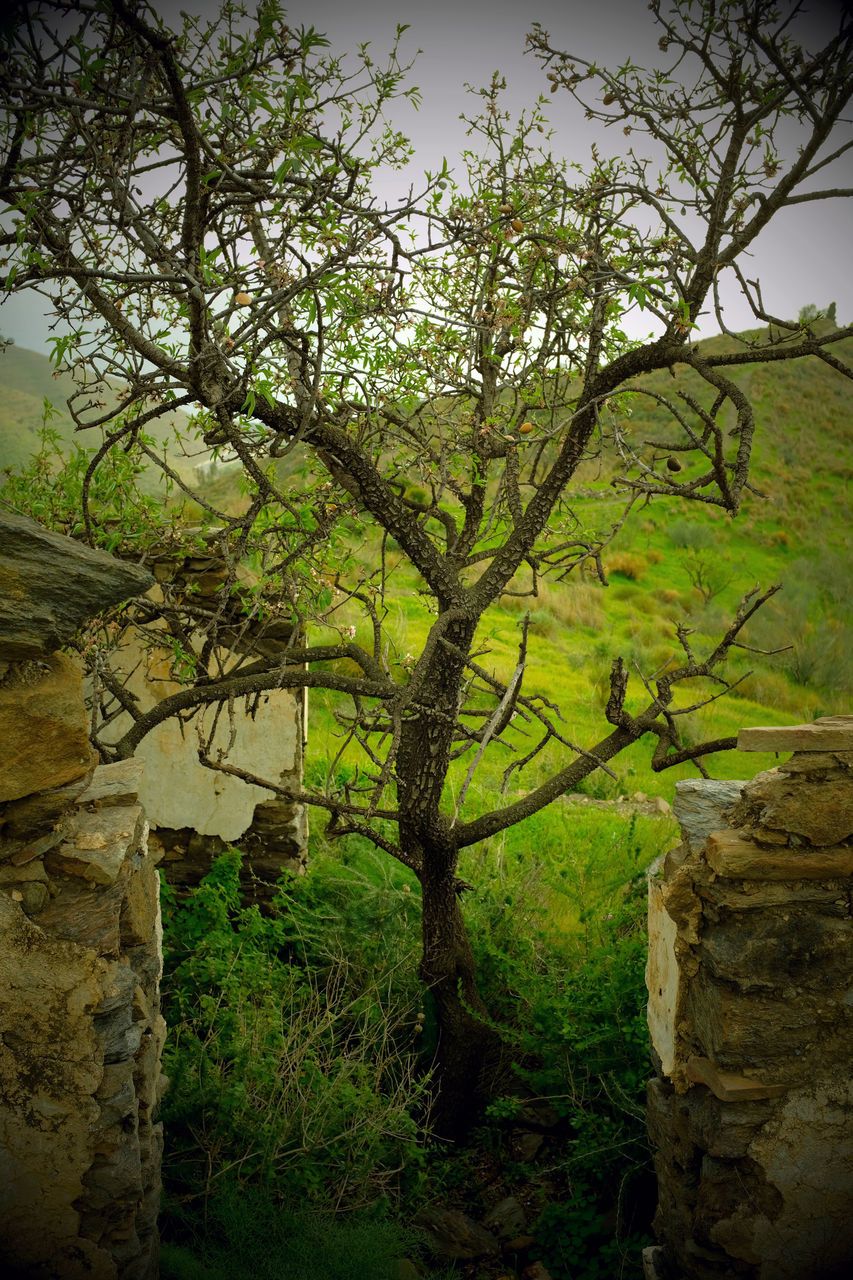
(750, 979)
(80, 945)
(195, 812)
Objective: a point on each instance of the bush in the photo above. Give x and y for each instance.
(291, 1055)
(627, 563)
(561, 949)
(691, 535)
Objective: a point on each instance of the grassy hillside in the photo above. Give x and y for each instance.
(684, 562)
(28, 380)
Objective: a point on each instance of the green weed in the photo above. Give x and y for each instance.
(292, 1063)
(247, 1236)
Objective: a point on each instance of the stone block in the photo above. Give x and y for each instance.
(819, 762)
(720, 1128)
(734, 1197)
(700, 806)
(97, 844)
(777, 949)
(33, 897)
(34, 850)
(829, 733)
(738, 1029)
(113, 1178)
(116, 1095)
(114, 784)
(820, 810)
(31, 871)
(43, 727)
(730, 855)
(452, 1234)
(141, 906)
(728, 1086)
(86, 914)
(26, 818)
(50, 585)
(744, 896)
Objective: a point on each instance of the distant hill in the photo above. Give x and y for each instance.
(28, 379)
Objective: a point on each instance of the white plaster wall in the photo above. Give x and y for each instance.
(177, 790)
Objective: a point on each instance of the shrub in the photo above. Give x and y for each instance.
(292, 1060)
(627, 563)
(561, 950)
(691, 535)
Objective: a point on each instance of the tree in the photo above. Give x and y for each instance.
(197, 207)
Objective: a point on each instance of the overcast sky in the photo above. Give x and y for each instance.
(805, 256)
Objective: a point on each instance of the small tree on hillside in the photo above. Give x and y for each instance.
(197, 207)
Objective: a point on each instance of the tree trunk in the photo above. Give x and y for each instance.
(467, 1047)
(469, 1050)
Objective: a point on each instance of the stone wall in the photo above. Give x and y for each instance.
(750, 979)
(195, 812)
(80, 946)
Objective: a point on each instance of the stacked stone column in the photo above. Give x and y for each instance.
(80, 945)
(750, 979)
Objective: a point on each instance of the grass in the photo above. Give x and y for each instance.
(247, 1236)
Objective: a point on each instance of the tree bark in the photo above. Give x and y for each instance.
(468, 1054)
(468, 1048)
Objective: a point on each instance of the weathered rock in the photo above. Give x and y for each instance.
(723, 1129)
(819, 809)
(24, 819)
(731, 856)
(34, 850)
(781, 949)
(48, 1101)
(736, 1028)
(96, 844)
(87, 914)
(140, 908)
(536, 1271)
(113, 784)
(829, 733)
(838, 763)
(50, 585)
(43, 727)
(506, 1219)
(80, 1042)
(748, 896)
(525, 1145)
(700, 806)
(453, 1234)
(751, 1013)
